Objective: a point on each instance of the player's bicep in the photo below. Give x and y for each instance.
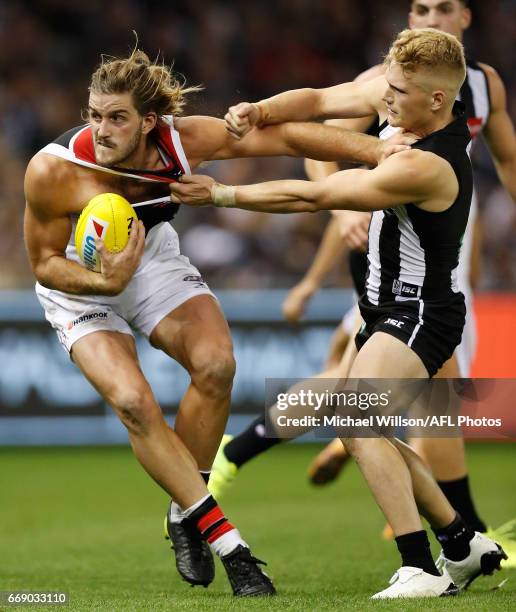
(500, 137)
(355, 99)
(46, 229)
(390, 184)
(45, 236)
(354, 190)
(499, 129)
(206, 138)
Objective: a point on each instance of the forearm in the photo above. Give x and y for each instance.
(288, 196)
(346, 100)
(330, 250)
(507, 174)
(66, 275)
(294, 105)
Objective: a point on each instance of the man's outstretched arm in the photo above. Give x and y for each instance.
(206, 139)
(356, 99)
(409, 177)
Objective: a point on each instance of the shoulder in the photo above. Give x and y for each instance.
(495, 85)
(418, 161)
(416, 169)
(203, 138)
(44, 170)
(45, 177)
(195, 125)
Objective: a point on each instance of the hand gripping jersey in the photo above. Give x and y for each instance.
(76, 146)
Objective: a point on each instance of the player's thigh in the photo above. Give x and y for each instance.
(450, 368)
(109, 361)
(384, 356)
(194, 331)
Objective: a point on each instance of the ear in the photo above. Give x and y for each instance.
(411, 20)
(149, 122)
(438, 100)
(466, 18)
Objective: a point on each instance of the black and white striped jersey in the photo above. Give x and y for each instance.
(413, 254)
(474, 94)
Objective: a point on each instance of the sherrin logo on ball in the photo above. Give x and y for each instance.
(108, 216)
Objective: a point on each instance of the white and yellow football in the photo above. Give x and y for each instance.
(108, 216)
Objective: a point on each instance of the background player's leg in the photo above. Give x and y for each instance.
(446, 456)
(253, 441)
(109, 362)
(338, 343)
(327, 464)
(447, 459)
(196, 335)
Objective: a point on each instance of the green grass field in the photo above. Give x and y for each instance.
(89, 521)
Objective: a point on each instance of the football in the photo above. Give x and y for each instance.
(108, 216)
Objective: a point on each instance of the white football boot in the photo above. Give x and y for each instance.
(484, 557)
(415, 582)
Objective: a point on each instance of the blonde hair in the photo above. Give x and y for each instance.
(431, 49)
(153, 86)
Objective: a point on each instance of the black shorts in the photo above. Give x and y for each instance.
(432, 329)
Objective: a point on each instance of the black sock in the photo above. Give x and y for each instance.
(455, 539)
(205, 476)
(249, 443)
(459, 495)
(415, 551)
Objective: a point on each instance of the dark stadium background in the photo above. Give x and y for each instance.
(85, 519)
(238, 51)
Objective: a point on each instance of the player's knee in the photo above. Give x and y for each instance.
(136, 408)
(214, 370)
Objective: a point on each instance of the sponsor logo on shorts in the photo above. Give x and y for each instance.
(87, 318)
(195, 278)
(405, 289)
(394, 322)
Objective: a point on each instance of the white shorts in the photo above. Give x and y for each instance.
(165, 282)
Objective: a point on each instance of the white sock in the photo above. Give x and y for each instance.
(227, 543)
(193, 507)
(175, 515)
